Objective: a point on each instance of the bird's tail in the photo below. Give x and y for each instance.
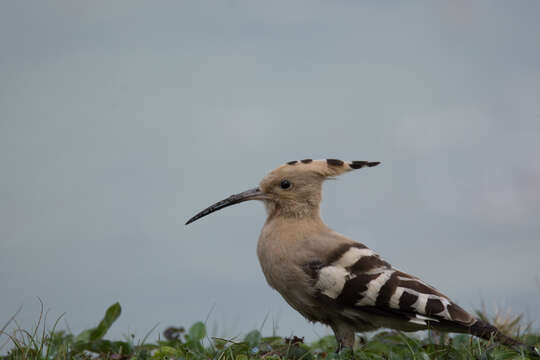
(487, 331)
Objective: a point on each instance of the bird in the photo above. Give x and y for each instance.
(331, 279)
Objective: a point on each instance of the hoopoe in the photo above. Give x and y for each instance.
(332, 279)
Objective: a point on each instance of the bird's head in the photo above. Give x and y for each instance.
(291, 190)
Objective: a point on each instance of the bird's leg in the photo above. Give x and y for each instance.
(344, 336)
(339, 347)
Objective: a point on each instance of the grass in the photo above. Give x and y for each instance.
(41, 343)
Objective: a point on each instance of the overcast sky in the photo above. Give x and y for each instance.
(120, 120)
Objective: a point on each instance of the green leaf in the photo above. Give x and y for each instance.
(253, 338)
(298, 352)
(84, 336)
(166, 352)
(197, 332)
(112, 313)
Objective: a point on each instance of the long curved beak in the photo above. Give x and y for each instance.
(252, 194)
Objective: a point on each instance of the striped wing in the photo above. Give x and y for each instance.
(356, 278)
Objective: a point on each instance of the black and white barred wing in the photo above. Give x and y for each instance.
(356, 278)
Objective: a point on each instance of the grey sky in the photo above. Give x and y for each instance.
(119, 120)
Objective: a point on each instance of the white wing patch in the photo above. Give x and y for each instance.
(421, 319)
(332, 280)
(420, 304)
(394, 300)
(369, 297)
(352, 256)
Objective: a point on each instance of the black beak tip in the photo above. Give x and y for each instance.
(231, 200)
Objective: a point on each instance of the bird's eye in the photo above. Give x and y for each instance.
(285, 184)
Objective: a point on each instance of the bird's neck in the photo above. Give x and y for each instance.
(293, 210)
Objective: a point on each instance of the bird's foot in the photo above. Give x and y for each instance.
(346, 352)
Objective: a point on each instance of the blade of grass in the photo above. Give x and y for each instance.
(148, 334)
(408, 345)
(40, 319)
(51, 333)
(10, 320)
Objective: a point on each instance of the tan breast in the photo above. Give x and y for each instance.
(286, 247)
